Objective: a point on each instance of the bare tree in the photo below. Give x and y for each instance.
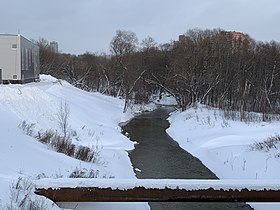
(48, 59)
(123, 43)
(123, 47)
(148, 43)
(63, 119)
(225, 69)
(76, 71)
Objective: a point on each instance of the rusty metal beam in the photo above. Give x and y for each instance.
(141, 194)
(142, 190)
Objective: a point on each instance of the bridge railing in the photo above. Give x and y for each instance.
(145, 190)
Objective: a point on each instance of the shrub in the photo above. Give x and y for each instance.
(65, 146)
(84, 173)
(88, 173)
(22, 196)
(45, 137)
(27, 128)
(266, 145)
(84, 153)
(62, 143)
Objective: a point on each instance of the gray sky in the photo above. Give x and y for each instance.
(89, 25)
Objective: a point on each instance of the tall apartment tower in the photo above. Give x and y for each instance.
(54, 46)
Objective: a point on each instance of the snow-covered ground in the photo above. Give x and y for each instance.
(93, 122)
(224, 145)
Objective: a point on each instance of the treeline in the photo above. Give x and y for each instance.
(223, 69)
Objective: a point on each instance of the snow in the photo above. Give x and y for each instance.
(188, 184)
(166, 100)
(94, 120)
(224, 145)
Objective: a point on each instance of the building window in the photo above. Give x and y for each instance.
(14, 46)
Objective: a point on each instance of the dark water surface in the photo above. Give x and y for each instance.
(158, 156)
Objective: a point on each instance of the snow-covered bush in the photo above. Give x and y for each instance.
(266, 145)
(23, 198)
(28, 128)
(84, 173)
(45, 137)
(88, 173)
(65, 145)
(62, 143)
(84, 153)
(248, 117)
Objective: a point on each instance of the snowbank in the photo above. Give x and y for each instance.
(224, 145)
(93, 122)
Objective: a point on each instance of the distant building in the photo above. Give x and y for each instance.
(236, 35)
(54, 46)
(237, 39)
(19, 59)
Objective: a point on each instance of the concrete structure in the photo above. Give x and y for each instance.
(19, 59)
(54, 46)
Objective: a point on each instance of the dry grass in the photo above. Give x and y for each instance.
(266, 145)
(22, 196)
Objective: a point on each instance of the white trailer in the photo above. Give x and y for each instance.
(19, 59)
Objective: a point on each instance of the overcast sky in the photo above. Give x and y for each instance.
(89, 25)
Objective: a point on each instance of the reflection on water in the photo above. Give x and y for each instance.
(158, 156)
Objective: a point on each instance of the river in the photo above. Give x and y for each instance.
(158, 156)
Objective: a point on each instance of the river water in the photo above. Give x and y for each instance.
(158, 156)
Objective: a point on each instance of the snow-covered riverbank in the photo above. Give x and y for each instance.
(224, 146)
(93, 122)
